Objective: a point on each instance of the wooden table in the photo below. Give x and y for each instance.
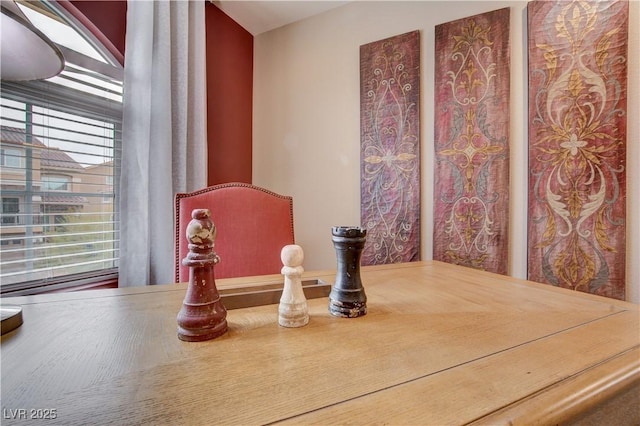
(440, 344)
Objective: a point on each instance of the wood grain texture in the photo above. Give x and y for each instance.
(558, 405)
(424, 354)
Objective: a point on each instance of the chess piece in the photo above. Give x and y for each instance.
(293, 310)
(347, 298)
(203, 316)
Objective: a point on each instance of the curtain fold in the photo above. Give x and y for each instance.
(164, 132)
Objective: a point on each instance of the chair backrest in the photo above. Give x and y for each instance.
(252, 223)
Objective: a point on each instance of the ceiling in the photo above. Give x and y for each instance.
(263, 15)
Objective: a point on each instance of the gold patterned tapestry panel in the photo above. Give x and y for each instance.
(577, 144)
(471, 194)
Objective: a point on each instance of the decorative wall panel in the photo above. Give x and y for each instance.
(390, 149)
(577, 144)
(471, 194)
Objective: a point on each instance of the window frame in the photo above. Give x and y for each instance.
(19, 155)
(15, 215)
(72, 101)
(46, 181)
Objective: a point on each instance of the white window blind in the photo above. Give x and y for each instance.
(59, 168)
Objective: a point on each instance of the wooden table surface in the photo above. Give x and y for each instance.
(440, 344)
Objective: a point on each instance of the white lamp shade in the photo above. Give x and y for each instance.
(27, 54)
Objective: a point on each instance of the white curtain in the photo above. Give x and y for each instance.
(164, 132)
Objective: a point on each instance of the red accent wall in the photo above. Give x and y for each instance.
(110, 17)
(229, 84)
(229, 98)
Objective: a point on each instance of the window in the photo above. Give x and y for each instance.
(11, 157)
(10, 210)
(60, 156)
(55, 183)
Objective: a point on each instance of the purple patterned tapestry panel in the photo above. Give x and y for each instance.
(471, 189)
(577, 144)
(390, 149)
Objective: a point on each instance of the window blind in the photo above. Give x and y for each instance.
(59, 169)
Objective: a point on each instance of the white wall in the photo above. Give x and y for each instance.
(306, 123)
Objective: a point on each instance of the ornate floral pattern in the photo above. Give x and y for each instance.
(577, 144)
(471, 142)
(390, 148)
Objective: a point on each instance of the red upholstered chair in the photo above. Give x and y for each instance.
(252, 223)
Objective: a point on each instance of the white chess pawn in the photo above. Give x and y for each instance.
(293, 311)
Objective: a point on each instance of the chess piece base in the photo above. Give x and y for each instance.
(293, 315)
(347, 309)
(202, 334)
(293, 323)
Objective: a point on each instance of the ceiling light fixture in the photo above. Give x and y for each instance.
(27, 54)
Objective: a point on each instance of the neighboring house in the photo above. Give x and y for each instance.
(44, 190)
(49, 183)
(98, 179)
